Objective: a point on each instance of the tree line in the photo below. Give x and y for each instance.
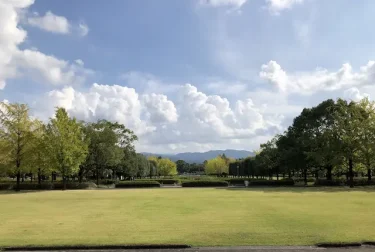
(70, 148)
(334, 138)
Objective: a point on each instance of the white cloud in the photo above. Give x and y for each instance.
(220, 3)
(354, 94)
(193, 121)
(50, 22)
(57, 24)
(276, 6)
(48, 69)
(83, 29)
(15, 63)
(318, 80)
(159, 109)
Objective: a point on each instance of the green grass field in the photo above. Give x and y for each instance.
(195, 216)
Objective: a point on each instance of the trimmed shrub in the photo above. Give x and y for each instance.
(74, 186)
(283, 182)
(301, 180)
(108, 182)
(137, 184)
(34, 186)
(333, 182)
(6, 186)
(207, 183)
(362, 182)
(168, 181)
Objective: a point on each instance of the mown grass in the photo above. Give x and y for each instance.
(194, 216)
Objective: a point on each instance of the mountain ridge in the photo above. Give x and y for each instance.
(200, 157)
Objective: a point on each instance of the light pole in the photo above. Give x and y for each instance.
(238, 170)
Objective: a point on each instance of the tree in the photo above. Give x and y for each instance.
(348, 120)
(182, 166)
(143, 168)
(16, 134)
(67, 144)
(217, 166)
(40, 156)
(101, 148)
(167, 167)
(367, 135)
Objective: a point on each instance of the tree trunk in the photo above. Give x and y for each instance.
(31, 178)
(317, 175)
(277, 176)
(39, 177)
(289, 174)
(18, 181)
(369, 174)
(329, 172)
(23, 177)
(351, 182)
(305, 176)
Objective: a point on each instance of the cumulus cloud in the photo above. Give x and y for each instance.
(193, 118)
(56, 24)
(159, 109)
(276, 6)
(318, 80)
(354, 94)
(50, 22)
(15, 62)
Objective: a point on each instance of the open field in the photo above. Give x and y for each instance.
(198, 217)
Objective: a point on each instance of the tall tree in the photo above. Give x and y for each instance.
(16, 134)
(166, 167)
(348, 120)
(67, 143)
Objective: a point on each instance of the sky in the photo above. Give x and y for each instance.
(189, 75)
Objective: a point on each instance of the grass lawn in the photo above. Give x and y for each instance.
(194, 216)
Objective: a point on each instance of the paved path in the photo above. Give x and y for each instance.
(240, 249)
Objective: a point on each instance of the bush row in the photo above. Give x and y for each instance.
(282, 182)
(137, 184)
(343, 182)
(47, 186)
(205, 183)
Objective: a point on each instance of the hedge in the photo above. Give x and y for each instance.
(6, 186)
(137, 184)
(205, 183)
(302, 180)
(74, 186)
(283, 182)
(34, 186)
(343, 182)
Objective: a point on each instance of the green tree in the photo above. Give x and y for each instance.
(182, 166)
(166, 167)
(143, 166)
(217, 166)
(67, 144)
(16, 134)
(349, 119)
(40, 156)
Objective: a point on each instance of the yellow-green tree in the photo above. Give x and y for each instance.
(67, 144)
(16, 134)
(166, 167)
(218, 165)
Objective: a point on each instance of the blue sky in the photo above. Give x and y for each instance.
(188, 75)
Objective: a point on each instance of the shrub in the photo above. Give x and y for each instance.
(34, 186)
(205, 183)
(74, 186)
(6, 186)
(362, 182)
(333, 182)
(137, 184)
(168, 181)
(108, 182)
(302, 180)
(283, 182)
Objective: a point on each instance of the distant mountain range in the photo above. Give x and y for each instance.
(199, 157)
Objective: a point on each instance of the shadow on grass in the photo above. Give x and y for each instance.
(307, 189)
